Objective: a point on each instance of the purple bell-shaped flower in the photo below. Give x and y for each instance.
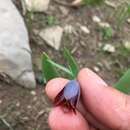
(69, 95)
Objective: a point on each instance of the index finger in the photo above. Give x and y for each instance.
(54, 86)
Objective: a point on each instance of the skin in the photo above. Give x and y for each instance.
(100, 107)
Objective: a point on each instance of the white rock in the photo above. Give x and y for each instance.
(18, 104)
(33, 93)
(127, 45)
(85, 29)
(52, 36)
(128, 20)
(37, 5)
(77, 3)
(15, 53)
(96, 69)
(104, 24)
(109, 48)
(69, 29)
(96, 19)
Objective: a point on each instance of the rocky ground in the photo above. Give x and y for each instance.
(78, 29)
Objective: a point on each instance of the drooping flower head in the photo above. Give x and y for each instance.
(69, 95)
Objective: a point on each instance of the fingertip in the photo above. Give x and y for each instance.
(54, 86)
(86, 73)
(58, 120)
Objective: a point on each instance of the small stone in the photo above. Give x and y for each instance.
(77, 3)
(85, 29)
(96, 19)
(104, 25)
(33, 93)
(39, 78)
(128, 20)
(37, 5)
(29, 107)
(18, 104)
(64, 10)
(69, 29)
(25, 118)
(109, 48)
(35, 99)
(96, 69)
(106, 64)
(127, 45)
(99, 64)
(40, 113)
(35, 31)
(52, 36)
(100, 44)
(1, 101)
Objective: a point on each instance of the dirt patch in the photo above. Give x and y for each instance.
(23, 109)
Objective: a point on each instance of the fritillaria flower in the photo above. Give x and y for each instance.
(69, 95)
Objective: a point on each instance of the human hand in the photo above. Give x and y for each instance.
(100, 108)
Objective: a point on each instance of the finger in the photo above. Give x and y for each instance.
(59, 120)
(90, 118)
(108, 105)
(54, 86)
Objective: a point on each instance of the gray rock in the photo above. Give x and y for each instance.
(52, 36)
(15, 53)
(36, 5)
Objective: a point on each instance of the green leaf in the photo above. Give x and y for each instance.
(128, 8)
(124, 83)
(107, 33)
(51, 20)
(93, 2)
(60, 67)
(71, 62)
(48, 70)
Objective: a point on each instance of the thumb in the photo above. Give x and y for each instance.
(106, 104)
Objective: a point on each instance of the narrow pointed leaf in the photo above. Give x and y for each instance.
(71, 62)
(124, 83)
(60, 67)
(48, 70)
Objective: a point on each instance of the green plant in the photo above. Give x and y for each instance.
(123, 51)
(121, 14)
(51, 20)
(50, 71)
(92, 2)
(124, 83)
(107, 33)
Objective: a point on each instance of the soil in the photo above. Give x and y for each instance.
(22, 109)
